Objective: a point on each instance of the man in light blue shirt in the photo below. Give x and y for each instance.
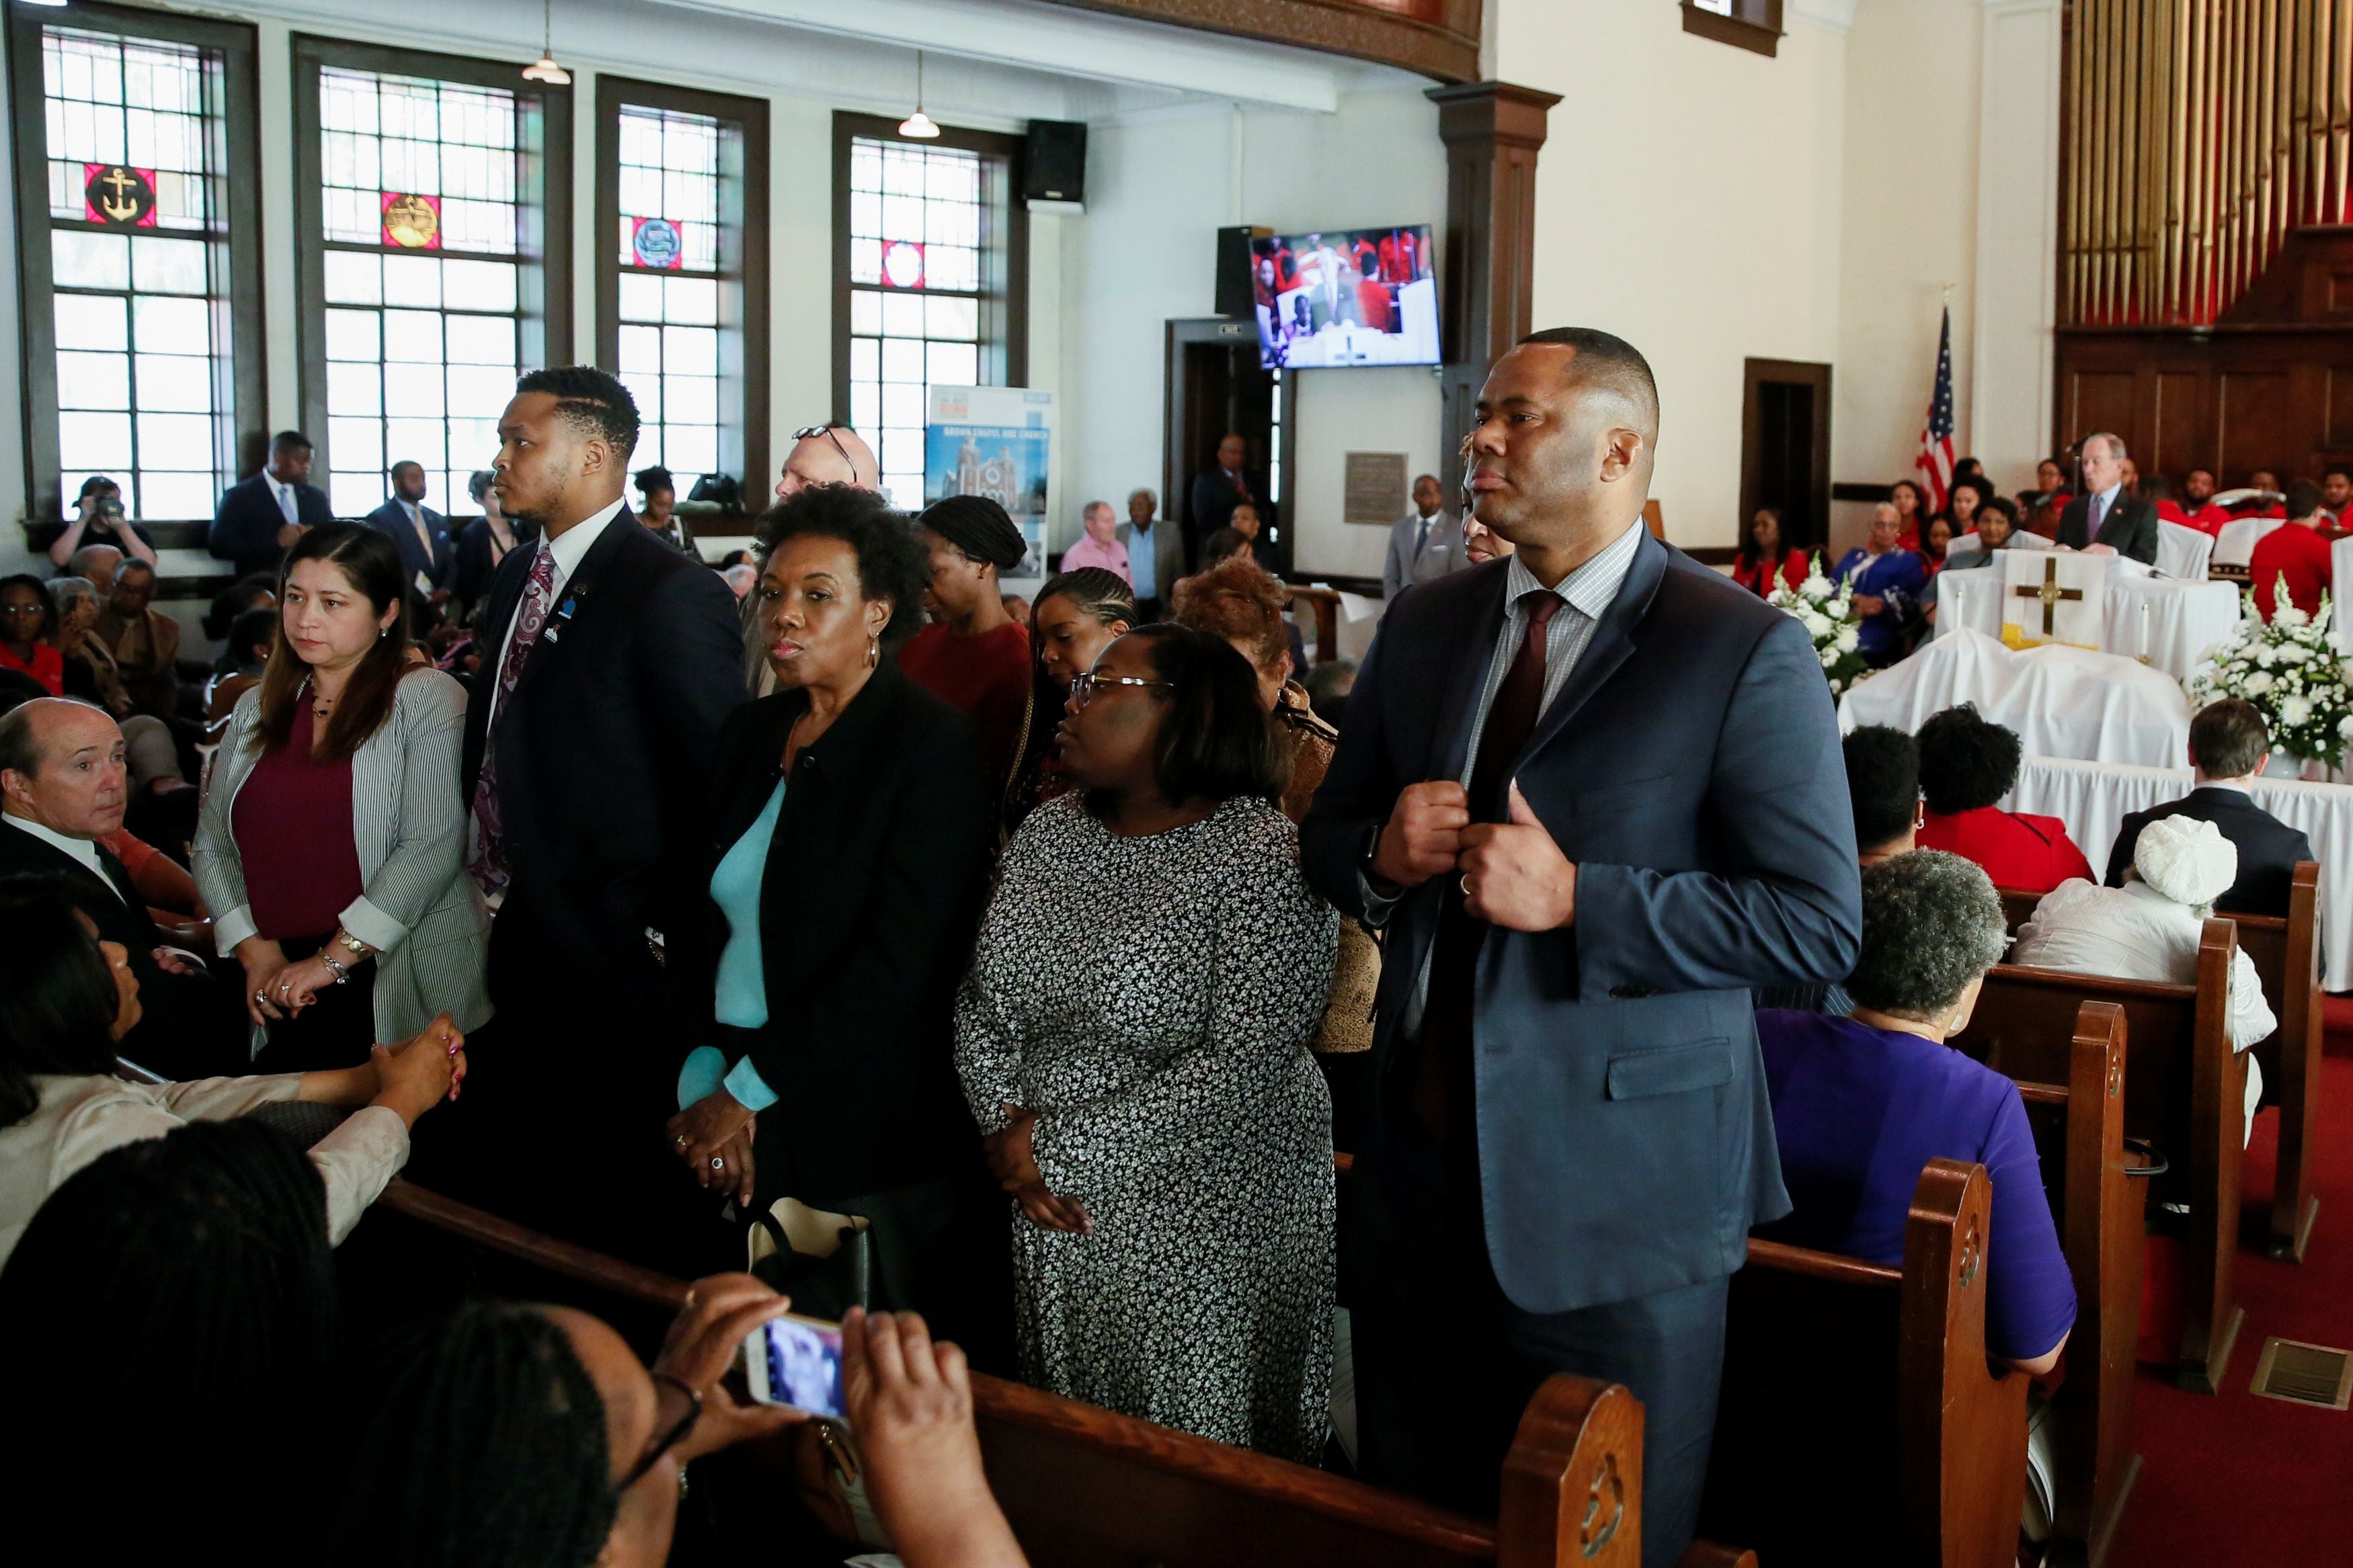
(1142, 535)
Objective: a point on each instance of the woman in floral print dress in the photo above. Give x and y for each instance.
(1134, 1034)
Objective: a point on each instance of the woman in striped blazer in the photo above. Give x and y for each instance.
(331, 845)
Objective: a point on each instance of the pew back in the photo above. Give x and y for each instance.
(2183, 1094)
(1859, 1421)
(1084, 1486)
(2079, 1134)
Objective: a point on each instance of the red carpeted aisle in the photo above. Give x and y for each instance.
(2233, 1481)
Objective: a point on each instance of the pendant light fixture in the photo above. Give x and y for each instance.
(919, 124)
(545, 69)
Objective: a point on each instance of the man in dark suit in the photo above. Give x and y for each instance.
(259, 517)
(63, 786)
(426, 556)
(2229, 745)
(2108, 512)
(1595, 793)
(609, 661)
(1216, 493)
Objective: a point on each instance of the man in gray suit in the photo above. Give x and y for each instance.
(1424, 543)
(1593, 793)
(2108, 512)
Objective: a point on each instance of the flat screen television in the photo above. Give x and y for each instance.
(1332, 298)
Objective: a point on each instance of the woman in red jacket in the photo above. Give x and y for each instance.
(1765, 565)
(1967, 765)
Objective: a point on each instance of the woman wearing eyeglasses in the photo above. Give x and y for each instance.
(1134, 1034)
(849, 841)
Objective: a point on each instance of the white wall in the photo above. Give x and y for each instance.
(1159, 186)
(1689, 199)
(2017, 238)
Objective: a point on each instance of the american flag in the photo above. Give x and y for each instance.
(1936, 464)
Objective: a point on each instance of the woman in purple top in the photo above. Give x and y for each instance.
(1861, 1103)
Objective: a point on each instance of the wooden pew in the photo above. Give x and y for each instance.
(1861, 1422)
(2286, 956)
(2079, 1131)
(2184, 1094)
(1083, 1486)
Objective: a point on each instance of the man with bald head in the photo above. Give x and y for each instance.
(98, 562)
(64, 783)
(828, 455)
(1593, 793)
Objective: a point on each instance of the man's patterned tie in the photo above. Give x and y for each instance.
(489, 866)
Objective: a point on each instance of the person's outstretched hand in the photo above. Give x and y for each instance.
(702, 1342)
(911, 1408)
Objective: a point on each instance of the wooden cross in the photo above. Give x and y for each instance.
(2050, 593)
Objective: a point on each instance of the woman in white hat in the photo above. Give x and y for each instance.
(2150, 928)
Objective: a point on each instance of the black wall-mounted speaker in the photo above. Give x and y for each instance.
(1054, 163)
(1234, 294)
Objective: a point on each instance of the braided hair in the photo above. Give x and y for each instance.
(174, 1303)
(486, 1448)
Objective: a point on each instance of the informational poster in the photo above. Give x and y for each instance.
(993, 441)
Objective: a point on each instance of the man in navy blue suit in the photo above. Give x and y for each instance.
(259, 517)
(1594, 792)
(426, 556)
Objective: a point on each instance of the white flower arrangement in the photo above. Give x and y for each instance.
(1827, 612)
(2289, 672)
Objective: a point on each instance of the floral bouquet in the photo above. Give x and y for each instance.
(1827, 612)
(2289, 671)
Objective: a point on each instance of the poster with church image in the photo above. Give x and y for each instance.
(993, 441)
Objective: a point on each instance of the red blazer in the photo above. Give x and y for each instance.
(2032, 854)
(1758, 576)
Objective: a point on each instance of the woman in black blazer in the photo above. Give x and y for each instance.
(850, 840)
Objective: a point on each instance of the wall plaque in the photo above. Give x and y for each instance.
(1374, 491)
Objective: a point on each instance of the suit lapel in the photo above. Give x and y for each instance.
(573, 599)
(1613, 639)
(1466, 676)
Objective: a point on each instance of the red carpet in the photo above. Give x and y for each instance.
(2233, 1481)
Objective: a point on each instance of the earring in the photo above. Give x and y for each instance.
(381, 633)
(873, 651)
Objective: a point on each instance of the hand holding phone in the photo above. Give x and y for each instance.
(702, 1345)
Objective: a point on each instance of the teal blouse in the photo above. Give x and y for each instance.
(741, 999)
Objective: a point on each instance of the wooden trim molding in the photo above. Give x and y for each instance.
(1436, 38)
(1757, 26)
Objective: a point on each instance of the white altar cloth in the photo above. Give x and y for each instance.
(2173, 622)
(2063, 701)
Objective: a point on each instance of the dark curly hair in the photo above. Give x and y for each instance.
(891, 561)
(591, 399)
(1965, 761)
(1883, 782)
(1215, 743)
(486, 1444)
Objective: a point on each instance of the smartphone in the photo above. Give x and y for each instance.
(796, 1362)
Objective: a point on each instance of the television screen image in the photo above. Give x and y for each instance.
(1337, 298)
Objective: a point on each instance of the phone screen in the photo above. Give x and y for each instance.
(796, 1362)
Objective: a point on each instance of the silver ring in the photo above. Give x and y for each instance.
(719, 1162)
(1466, 884)
(262, 995)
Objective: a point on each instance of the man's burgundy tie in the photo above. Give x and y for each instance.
(1443, 1084)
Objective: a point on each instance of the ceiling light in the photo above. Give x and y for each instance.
(919, 125)
(545, 69)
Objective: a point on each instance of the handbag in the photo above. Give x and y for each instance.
(825, 1263)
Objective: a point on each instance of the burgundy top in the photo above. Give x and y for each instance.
(293, 823)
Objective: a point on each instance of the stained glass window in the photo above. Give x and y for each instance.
(927, 227)
(670, 179)
(424, 212)
(136, 142)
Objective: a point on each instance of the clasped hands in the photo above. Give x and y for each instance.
(715, 1137)
(1013, 1161)
(1512, 874)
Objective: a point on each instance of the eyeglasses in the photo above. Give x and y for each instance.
(677, 1408)
(1083, 688)
(807, 431)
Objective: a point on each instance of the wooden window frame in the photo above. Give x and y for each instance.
(248, 352)
(311, 53)
(1010, 324)
(744, 124)
(1757, 26)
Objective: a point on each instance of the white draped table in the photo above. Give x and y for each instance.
(2092, 799)
(2170, 621)
(2063, 701)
